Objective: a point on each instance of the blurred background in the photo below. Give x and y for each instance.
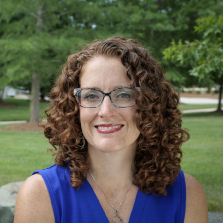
(185, 36)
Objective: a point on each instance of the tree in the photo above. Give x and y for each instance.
(205, 56)
(35, 41)
(155, 23)
(36, 36)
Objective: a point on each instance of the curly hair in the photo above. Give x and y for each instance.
(158, 154)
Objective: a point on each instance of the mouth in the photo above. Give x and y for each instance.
(108, 128)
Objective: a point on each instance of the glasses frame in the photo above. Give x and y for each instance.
(77, 90)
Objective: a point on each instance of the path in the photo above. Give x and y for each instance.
(215, 217)
(199, 101)
(11, 122)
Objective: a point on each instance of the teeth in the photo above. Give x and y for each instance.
(109, 128)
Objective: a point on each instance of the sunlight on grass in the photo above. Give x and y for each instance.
(21, 154)
(21, 111)
(24, 152)
(187, 107)
(203, 156)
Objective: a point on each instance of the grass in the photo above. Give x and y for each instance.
(21, 154)
(203, 155)
(187, 107)
(20, 112)
(24, 152)
(2, 126)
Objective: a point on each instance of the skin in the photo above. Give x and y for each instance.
(111, 155)
(107, 74)
(116, 150)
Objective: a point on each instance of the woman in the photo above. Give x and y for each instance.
(118, 129)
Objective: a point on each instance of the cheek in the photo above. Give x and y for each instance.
(133, 114)
(133, 120)
(86, 117)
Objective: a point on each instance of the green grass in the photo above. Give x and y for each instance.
(2, 126)
(20, 112)
(21, 154)
(24, 152)
(203, 155)
(187, 107)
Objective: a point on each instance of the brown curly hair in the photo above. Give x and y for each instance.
(158, 156)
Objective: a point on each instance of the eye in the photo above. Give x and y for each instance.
(91, 96)
(124, 95)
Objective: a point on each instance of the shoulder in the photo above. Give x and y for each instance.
(33, 202)
(196, 204)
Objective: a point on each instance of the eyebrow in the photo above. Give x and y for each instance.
(100, 89)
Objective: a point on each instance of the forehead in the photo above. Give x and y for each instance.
(104, 73)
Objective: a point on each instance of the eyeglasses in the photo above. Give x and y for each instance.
(121, 97)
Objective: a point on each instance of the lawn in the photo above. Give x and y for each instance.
(24, 152)
(21, 154)
(187, 107)
(20, 112)
(203, 155)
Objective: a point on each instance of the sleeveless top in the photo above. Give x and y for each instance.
(82, 206)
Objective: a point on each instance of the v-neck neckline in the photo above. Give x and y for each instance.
(98, 211)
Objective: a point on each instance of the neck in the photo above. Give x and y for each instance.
(112, 170)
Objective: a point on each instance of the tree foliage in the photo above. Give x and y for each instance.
(27, 46)
(36, 36)
(155, 23)
(205, 56)
(35, 39)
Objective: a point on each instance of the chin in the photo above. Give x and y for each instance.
(108, 146)
(108, 150)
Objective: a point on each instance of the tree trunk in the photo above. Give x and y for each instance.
(2, 94)
(220, 95)
(178, 92)
(35, 112)
(35, 116)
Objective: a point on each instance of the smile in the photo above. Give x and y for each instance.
(110, 128)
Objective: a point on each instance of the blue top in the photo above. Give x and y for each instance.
(72, 205)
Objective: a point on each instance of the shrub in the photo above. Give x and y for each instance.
(216, 91)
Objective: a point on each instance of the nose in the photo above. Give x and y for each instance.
(107, 109)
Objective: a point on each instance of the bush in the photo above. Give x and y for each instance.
(198, 92)
(189, 91)
(216, 91)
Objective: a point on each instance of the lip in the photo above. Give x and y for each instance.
(110, 130)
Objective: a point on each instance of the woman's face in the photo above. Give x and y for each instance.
(106, 74)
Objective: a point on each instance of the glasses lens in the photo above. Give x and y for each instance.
(123, 97)
(89, 97)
